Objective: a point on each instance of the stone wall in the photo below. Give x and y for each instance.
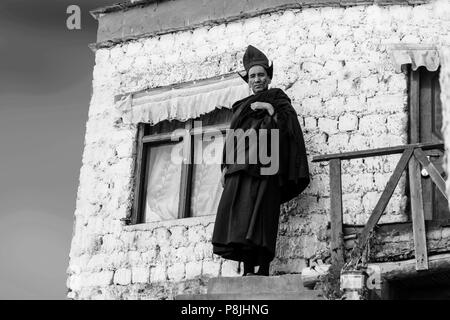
(333, 63)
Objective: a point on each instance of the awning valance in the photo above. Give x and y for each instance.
(183, 102)
(415, 54)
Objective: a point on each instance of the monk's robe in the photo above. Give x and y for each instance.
(246, 224)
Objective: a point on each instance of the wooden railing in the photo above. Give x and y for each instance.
(413, 155)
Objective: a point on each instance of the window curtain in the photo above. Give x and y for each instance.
(181, 102)
(163, 183)
(206, 187)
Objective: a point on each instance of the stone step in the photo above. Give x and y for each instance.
(284, 287)
(291, 283)
(309, 295)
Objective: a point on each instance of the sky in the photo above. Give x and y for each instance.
(45, 89)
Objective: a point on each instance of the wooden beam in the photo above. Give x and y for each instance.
(165, 137)
(183, 133)
(390, 271)
(396, 227)
(382, 202)
(407, 268)
(376, 152)
(433, 172)
(337, 239)
(417, 213)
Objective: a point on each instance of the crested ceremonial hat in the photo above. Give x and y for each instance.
(253, 57)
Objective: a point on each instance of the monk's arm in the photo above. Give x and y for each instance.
(266, 106)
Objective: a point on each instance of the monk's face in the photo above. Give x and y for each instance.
(258, 79)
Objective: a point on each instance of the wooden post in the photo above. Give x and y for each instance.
(414, 130)
(337, 239)
(414, 110)
(417, 214)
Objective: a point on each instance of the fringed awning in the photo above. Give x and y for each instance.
(183, 102)
(415, 54)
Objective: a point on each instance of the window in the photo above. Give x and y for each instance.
(165, 187)
(426, 127)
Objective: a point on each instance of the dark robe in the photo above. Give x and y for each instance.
(246, 224)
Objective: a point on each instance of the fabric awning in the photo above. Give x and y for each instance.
(415, 54)
(184, 102)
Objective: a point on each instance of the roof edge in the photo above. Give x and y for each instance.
(121, 6)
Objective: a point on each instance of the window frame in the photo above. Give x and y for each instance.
(144, 143)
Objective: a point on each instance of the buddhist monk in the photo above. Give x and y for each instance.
(246, 225)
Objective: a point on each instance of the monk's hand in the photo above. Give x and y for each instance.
(263, 105)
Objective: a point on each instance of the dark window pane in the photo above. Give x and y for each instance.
(165, 126)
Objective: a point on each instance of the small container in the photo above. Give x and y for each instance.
(353, 283)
